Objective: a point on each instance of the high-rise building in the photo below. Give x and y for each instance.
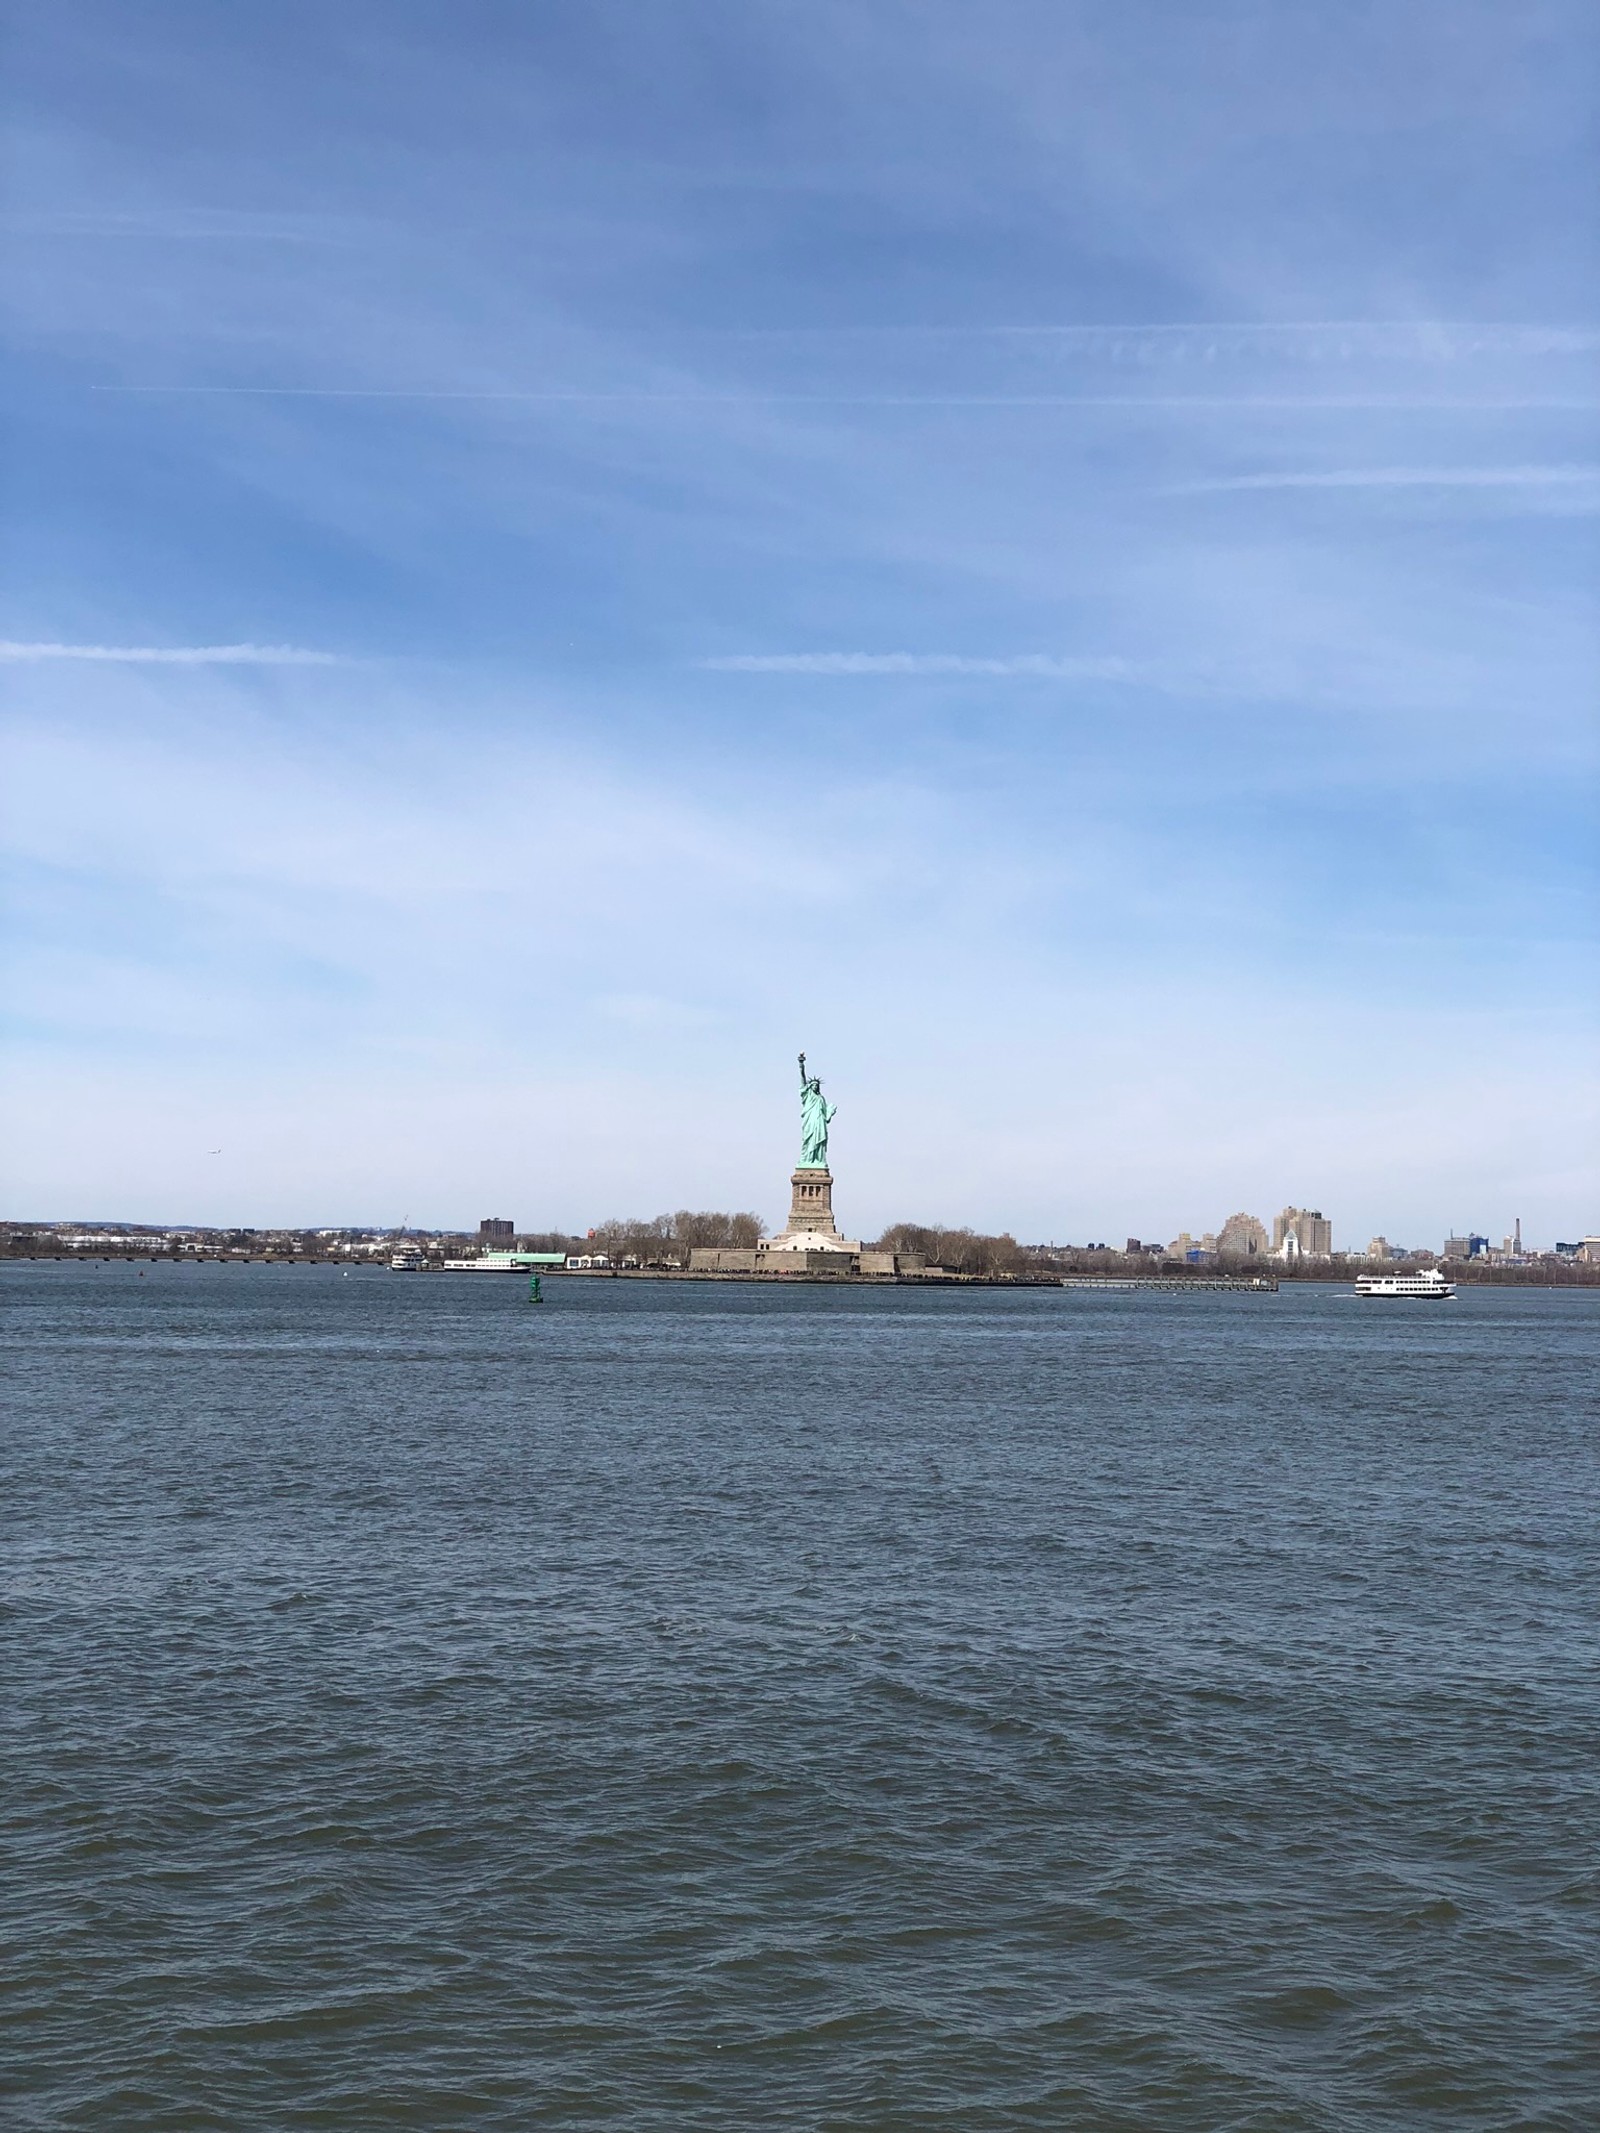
(1310, 1229)
(495, 1230)
(1243, 1237)
(1379, 1249)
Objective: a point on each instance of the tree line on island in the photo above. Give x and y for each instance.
(664, 1242)
(668, 1240)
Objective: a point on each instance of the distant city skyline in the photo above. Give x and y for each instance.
(1300, 1235)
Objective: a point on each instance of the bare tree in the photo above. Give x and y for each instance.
(631, 1240)
(710, 1230)
(667, 1240)
(959, 1251)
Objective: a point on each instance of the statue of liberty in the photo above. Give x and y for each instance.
(816, 1115)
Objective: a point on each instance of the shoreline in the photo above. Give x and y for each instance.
(1094, 1281)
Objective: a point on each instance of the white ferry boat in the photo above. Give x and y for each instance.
(407, 1261)
(1429, 1283)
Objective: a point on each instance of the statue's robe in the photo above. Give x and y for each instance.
(816, 1115)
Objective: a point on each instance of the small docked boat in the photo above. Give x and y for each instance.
(1430, 1283)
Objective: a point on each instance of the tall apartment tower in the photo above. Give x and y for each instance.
(1243, 1236)
(1310, 1229)
(495, 1230)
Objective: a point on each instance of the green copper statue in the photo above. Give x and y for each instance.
(816, 1116)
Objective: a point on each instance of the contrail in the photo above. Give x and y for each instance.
(1375, 401)
(178, 655)
(1552, 477)
(1031, 664)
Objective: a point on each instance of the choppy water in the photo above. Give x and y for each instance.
(697, 1706)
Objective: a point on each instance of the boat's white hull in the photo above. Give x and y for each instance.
(1407, 1295)
(1406, 1288)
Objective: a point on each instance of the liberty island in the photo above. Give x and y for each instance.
(811, 1229)
(811, 1244)
(810, 1241)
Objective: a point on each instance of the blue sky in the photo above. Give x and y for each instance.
(1044, 553)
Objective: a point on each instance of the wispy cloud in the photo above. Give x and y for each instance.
(1373, 402)
(178, 655)
(1019, 665)
(1182, 340)
(1535, 477)
(180, 223)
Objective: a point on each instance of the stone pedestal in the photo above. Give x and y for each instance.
(810, 1233)
(811, 1208)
